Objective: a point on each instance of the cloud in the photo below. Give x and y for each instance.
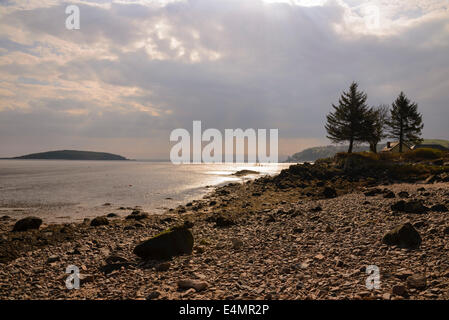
(139, 69)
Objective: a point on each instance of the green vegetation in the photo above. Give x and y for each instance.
(424, 154)
(72, 155)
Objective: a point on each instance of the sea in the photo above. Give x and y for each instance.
(64, 191)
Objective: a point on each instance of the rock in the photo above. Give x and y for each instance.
(439, 208)
(431, 179)
(271, 219)
(27, 223)
(389, 195)
(112, 215)
(403, 194)
(195, 284)
(237, 244)
(446, 230)
(413, 206)
(86, 278)
(53, 258)
(329, 193)
(99, 221)
(223, 222)
(386, 296)
(172, 242)
(373, 192)
(137, 216)
(153, 295)
(319, 256)
(115, 259)
(339, 263)
(110, 267)
(420, 224)
(165, 266)
(403, 274)
(417, 282)
(404, 236)
(399, 290)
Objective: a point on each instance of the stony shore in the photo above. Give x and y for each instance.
(273, 238)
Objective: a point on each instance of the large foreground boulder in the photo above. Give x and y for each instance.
(404, 236)
(27, 223)
(172, 242)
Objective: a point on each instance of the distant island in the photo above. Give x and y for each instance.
(315, 153)
(72, 155)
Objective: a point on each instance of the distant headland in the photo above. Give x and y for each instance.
(72, 155)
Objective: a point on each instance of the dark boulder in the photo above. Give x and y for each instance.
(27, 223)
(372, 192)
(439, 208)
(413, 206)
(329, 193)
(99, 221)
(403, 194)
(404, 236)
(112, 215)
(137, 216)
(172, 242)
(389, 195)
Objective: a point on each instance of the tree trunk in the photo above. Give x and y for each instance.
(400, 138)
(373, 147)
(351, 143)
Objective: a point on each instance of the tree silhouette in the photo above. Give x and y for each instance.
(406, 123)
(376, 123)
(348, 121)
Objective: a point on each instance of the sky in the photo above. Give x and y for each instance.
(136, 70)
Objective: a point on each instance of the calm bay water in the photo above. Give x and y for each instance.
(60, 191)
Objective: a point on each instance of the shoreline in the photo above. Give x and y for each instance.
(280, 243)
(56, 205)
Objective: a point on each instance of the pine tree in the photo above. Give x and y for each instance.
(347, 122)
(406, 123)
(376, 123)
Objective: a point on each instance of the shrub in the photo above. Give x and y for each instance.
(424, 154)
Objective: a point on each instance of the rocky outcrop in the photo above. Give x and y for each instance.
(404, 236)
(413, 206)
(172, 242)
(27, 223)
(99, 221)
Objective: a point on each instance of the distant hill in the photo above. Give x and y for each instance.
(444, 143)
(315, 153)
(72, 155)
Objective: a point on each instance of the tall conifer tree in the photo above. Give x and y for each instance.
(406, 123)
(348, 120)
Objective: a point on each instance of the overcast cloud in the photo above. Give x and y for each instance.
(138, 69)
